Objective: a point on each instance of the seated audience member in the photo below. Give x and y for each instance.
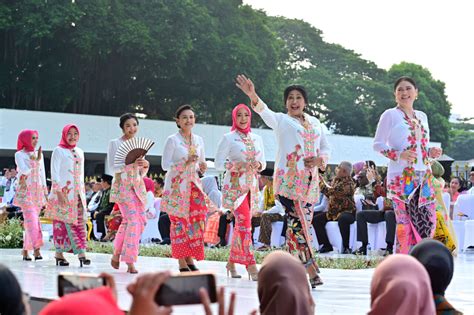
(456, 187)
(273, 211)
(471, 182)
(9, 183)
(93, 203)
(105, 206)
(370, 214)
(341, 208)
(12, 299)
(400, 286)
(113, 223)
(438, 262)
(150, 210)
(209, 184)
(159, 184)
(282, 286)
(89, 191)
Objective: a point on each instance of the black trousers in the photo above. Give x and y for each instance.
(344, 221)
(164, 225)
(376, 216)
(100, 221)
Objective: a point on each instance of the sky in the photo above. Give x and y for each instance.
(438, 35)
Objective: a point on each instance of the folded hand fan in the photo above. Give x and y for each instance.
(130, 150)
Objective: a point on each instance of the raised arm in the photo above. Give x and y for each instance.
(246, 85)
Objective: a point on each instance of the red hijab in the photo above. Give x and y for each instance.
(89, 302)
(149, 184)
(63, 143)
(25, 140)
(246, 130)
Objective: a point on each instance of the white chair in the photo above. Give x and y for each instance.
(468, 234)
(335, 238)
(314, 241)
(151, 231)
(447, 200)
(459, 229)
(276, 240)
(464, 204)
(256, 234)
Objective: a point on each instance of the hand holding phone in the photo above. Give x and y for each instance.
(144, 290)
(185, 289)
(69, 282)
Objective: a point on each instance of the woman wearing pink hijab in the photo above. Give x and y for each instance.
(31, 192)
(240, 153)
(67, 199)
(400, 286)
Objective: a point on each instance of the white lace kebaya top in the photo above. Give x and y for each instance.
(295, 141)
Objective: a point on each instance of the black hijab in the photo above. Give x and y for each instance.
(438, 261)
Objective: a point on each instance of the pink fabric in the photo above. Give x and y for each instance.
(241, 247)
(33, 238)
(234, 119)
(63, 143)
(127, 240)
(401, 285)
(25, 141)
(149, 184)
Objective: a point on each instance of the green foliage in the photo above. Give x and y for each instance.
(222, 254)
(107, 57)
(11, 234)
(461, 144)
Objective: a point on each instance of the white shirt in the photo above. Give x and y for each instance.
(95, 201)
(62, 172)
(22, 160)
(393, 135)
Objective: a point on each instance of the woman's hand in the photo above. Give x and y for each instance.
(435, 152)
(143, 291)
(206, 302)
(192, 158)
(256, 166)
(247, 86)
(142, 163)
(40, 154)
(408, 155)
(62, 198)
(314, 161)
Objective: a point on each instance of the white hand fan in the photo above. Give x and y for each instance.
(131, 150)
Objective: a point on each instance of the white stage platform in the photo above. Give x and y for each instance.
(344, 291)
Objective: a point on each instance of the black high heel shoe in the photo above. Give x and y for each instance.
(84, 261)
(61, 262)
(184, 269)
(39, 257)
(26, 258)
(192, 267)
